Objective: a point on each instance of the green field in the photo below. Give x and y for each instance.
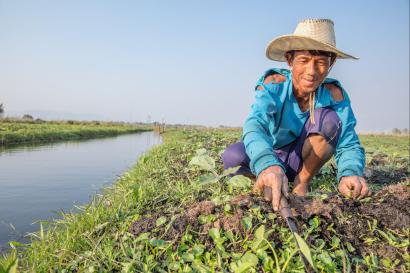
(12, 133)
(177, 211)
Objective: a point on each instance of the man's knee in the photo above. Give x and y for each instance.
(328, 125)
(235, 155)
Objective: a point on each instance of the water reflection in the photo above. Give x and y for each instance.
(36, 180)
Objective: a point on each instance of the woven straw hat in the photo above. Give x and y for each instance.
(310, 34)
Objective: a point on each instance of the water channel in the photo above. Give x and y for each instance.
(36, 181)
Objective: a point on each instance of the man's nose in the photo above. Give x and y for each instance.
(310, 69)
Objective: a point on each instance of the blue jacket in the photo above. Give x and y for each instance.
(271, 125)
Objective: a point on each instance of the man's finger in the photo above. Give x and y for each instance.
(357, 188)
(258, 187)
(285, 187)
(369, 193)
(267, 193)
(344, 189)
(276, 194)
(365, 190)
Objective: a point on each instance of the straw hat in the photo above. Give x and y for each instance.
(310, 34)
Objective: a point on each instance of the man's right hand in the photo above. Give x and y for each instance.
(273, 183)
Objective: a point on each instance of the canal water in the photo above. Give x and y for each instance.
(38, 181)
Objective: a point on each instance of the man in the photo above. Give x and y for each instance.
(300, 119)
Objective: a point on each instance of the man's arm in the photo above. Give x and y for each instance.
(256, 133)
(259, 142)
(350, 156)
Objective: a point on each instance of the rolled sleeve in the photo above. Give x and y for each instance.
(350, 155)
(257, 137)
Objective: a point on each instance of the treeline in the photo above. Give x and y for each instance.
(30, 120)
(14, 132)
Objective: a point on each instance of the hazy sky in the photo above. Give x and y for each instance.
(192, 62)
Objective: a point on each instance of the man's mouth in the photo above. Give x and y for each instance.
(310, 82)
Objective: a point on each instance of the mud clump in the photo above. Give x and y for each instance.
(389, 207)
(204, 207)
(228, 221)
(142, 225)
(306, 207)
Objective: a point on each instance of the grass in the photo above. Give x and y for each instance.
(161, 186)
(12, 133)
(393, 145)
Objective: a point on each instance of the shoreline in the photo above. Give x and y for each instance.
(15, 134)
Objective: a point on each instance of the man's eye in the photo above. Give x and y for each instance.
(322, 62)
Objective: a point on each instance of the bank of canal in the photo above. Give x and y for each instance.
(38, 181)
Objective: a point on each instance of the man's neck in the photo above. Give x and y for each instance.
(302, 98)
(300, 95)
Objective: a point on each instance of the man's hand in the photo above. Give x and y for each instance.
(354, 186)
(273, 183)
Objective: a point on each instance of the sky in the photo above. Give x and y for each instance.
(189, 62)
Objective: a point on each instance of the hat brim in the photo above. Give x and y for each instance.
(279, 46)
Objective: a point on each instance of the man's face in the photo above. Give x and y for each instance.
(308, 71)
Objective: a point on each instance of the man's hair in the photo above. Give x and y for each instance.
(332, 55)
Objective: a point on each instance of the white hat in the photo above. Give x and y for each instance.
(310, 34)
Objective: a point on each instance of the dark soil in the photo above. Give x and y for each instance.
(377, 173)
(189, 217)
(390, 206)
(385, 177)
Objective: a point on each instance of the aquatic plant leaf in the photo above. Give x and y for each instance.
(230, 171)
(205, 162)
(260, 232)
(325, 258)
(201, 151)
(207, 179)
(247, 262)
(349, 247)
(259, 238)
(157, 242)
(240, 181)
(214, 233)
(143, 236)
(247, 223)
(200, 267)
(188, 257)
(160, 221)
(335, 242)
(304, 248)
(198, 249)
(203, 219)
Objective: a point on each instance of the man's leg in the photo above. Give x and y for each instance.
(318, 147)
(235, 155)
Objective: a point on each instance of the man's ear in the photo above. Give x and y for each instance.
(332, 61)
(289, 59)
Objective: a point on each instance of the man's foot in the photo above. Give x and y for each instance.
(300, 188)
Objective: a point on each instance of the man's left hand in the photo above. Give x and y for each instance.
(354, 187)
